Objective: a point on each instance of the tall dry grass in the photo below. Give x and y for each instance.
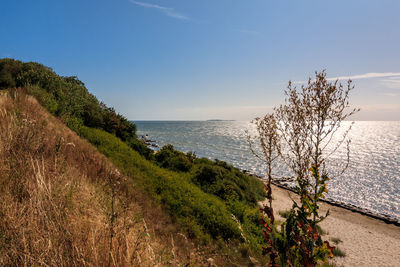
(63, 204)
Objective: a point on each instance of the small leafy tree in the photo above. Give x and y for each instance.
(269, 141)
(307, 123)
(305, 126)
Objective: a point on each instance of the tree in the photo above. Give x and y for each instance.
(269, 142)
(305, 125)
(307, 122)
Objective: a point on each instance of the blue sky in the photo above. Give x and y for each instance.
(207, 59)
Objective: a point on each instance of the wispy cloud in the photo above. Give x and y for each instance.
(366, 76)
(362, 76)
(168, 11)
(392, 82)
(391, 94)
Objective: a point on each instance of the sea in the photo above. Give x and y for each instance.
(371, 181)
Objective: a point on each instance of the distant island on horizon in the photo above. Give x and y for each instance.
(176, 120)
(219, 120)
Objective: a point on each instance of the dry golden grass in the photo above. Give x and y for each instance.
(63, 204)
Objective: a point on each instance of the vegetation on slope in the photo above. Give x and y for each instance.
(68, 99)
(206, 215)
(57, 205)
(211, 199)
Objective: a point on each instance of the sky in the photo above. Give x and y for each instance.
(210, 59)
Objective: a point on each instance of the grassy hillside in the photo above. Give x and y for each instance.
(57, 205)
(212, 202)
(68, 99)
(204, 214)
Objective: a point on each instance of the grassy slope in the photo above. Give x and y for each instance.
(182, 198)
(203, 209)
(203, 215)
(56, 196)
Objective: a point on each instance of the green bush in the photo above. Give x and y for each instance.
(172, 159)
(46, 99)
(184, 200)
(227, 182)
(68, 98)
(200, 194)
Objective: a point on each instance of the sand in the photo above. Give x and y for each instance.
(366, 241)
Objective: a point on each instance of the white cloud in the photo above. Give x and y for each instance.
(366, 76)
(362, 76)
(170, 12)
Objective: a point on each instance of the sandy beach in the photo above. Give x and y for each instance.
(366, 241)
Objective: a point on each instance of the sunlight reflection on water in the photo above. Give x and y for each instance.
(372, 180)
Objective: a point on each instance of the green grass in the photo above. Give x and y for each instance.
(320, 230)
(337, 252)
(198, 193)
(205, 215)
(336, 240)
(284, 213)
(328, 264)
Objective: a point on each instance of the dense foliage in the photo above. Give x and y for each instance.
(214, 177)
(211, 199)
(205, 214)
(68, 98)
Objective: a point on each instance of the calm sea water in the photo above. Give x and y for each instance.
(371, 182)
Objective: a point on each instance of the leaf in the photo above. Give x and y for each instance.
(330, 248)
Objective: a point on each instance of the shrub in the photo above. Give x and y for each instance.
(309, 118)
(68, 98)
(185, 201)
(172, 159)
(227, 182)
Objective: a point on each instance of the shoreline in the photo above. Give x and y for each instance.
(350, 207)
(152, 144)
(382, 217)
(385, 213)
(367, 241)
(277, 182)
